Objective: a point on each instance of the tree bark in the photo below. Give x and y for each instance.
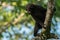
(45, 34)
(49, 15)
(47, 23)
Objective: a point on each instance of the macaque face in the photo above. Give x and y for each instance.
(29, 7)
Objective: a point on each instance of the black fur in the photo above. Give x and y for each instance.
(38, 13)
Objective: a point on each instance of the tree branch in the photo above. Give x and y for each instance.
(49, 15)
(47, 23)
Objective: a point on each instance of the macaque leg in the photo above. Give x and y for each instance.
(37, 27)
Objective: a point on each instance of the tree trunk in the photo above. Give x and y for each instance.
(45, 34)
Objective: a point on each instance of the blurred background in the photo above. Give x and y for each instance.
(17, 24)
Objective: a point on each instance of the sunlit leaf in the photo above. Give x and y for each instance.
(14, 3)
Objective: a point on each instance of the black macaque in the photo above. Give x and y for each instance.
(38, 13)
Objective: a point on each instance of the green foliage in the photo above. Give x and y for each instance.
(18, 8)
(57, 4)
